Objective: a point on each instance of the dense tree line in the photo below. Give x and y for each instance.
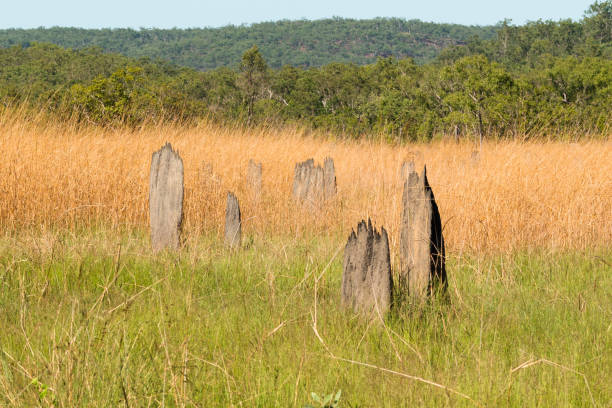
(505, 87)
(521, 47)
(298, 43)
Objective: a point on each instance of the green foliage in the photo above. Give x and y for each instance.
(478, 95)
(84, 326)
(43, 389)
(119, 97)
(543, 78)
(254, 76)
(598, 22)
(521, 48)
(328, 401)
(299, 43)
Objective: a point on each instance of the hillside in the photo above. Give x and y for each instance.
(299, 43)
(535, 80)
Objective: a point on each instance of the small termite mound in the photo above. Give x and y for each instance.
(367, 283)
(233, 226)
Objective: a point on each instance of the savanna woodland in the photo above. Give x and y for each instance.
(404, 79)
(512, 121)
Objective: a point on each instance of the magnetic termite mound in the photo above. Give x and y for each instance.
(406, 170)
(475, 158)
(314, 184)
(329, 178)
(254, 180)
(367, 284)
(233, 226)
(422, 257)
(166, 191)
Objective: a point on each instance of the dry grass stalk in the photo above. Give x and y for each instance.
(546, 194)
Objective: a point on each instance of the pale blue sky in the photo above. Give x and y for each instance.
(206, 13)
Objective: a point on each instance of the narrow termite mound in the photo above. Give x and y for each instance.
(254, 180)
(475, 158)
(329, 178)
(233, 226)
(166, 191)
(422, 257)
(314, 184)
(367, 284)
(406, 170)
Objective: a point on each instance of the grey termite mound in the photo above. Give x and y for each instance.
(406, 170)
(166, 191)
(422, 255)
(254, 180)
(367, 284)
(329, 178)
(314, 184)
(233, 226)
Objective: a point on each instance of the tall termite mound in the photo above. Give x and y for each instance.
(406, 170)
(422, 256)
(166, 192)
(329, 178)
(254, 180)
(233, 227)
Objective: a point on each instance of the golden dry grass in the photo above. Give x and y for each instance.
(549, 194)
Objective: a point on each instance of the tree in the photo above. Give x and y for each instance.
(477, 93)
(254, 77)
(121, 96)
(598, 20)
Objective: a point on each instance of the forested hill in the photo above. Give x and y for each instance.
(535, 80)
(298, 43)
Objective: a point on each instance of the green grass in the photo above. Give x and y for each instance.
(84, 324)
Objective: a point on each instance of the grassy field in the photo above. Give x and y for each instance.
(519, 195)
(96, 320)
(90, 317)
